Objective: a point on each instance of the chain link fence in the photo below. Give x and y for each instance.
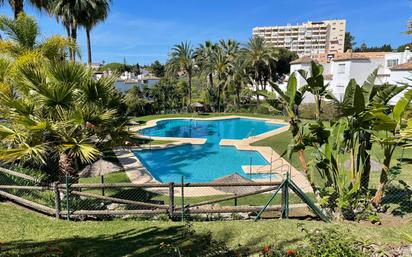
(106, 198)
(76, 198)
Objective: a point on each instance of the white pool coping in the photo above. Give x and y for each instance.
(138, 173)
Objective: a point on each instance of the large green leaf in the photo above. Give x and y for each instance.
(401, 106)
(291, 89)
(368, 86)
(353, 101)
(386, 92)
(316, 69)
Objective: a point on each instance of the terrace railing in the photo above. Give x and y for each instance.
(67, 198)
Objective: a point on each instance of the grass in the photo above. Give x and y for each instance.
(115, 177)
(254, 200)
(140, 194)
(280, 142)
(25, 233)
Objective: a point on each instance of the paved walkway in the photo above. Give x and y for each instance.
(137, 173)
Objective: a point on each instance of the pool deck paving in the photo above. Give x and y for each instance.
(138, 173)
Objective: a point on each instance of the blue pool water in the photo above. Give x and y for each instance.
(207, 162)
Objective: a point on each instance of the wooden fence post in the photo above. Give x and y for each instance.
(171, 199)
(68, 196)
(102, 181)
(57, 200)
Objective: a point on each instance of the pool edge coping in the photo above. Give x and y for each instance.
(144, 176)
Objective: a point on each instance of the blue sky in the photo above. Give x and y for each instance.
(144, 31)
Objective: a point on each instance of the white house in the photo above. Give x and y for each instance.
(340, 68)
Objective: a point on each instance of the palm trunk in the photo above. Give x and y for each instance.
(66, 165)
(218, 98)
(89, 47)
(238, 98)
(74, 37)
(68, 30)
(18, 8)
(190, 87)
(211, 80)
(189, 81)
(257, 95)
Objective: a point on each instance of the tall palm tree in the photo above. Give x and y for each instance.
(182, 59)
(258, 55)
(204, 55)
(238, 77)
(97, 12)
(70, 12)
(221, 66)
(18, 5)
(231, 47)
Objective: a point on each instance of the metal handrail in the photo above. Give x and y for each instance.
(261, 167)
(271, 168)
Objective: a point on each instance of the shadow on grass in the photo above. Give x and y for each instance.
(153, 241)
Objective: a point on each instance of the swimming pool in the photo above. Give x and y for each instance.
(207, 162)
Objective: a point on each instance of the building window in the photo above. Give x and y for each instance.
(392, 63)
(341, 68)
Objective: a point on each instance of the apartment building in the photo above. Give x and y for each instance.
(340, 68)
(307, 39)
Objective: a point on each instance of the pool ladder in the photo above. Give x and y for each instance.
(271, 168)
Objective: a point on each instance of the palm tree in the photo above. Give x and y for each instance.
(231, 48)
(221, 67)
(182, 59)
(97, 12)
(70, 13)
(60, 117)
(18, 5)
(258, 55)
(22, 39)
(238, 77)
(203, 55)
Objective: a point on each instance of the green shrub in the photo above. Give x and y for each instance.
(328, 242)
(329, 111)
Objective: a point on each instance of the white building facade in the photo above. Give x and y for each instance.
(307, 39)
(339, 69)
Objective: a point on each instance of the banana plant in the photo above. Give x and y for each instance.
(290, 100)
(391, 138)
(315, 85)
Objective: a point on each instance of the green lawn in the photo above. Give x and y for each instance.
(140, 194)
(280, 142)
(24, 233)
